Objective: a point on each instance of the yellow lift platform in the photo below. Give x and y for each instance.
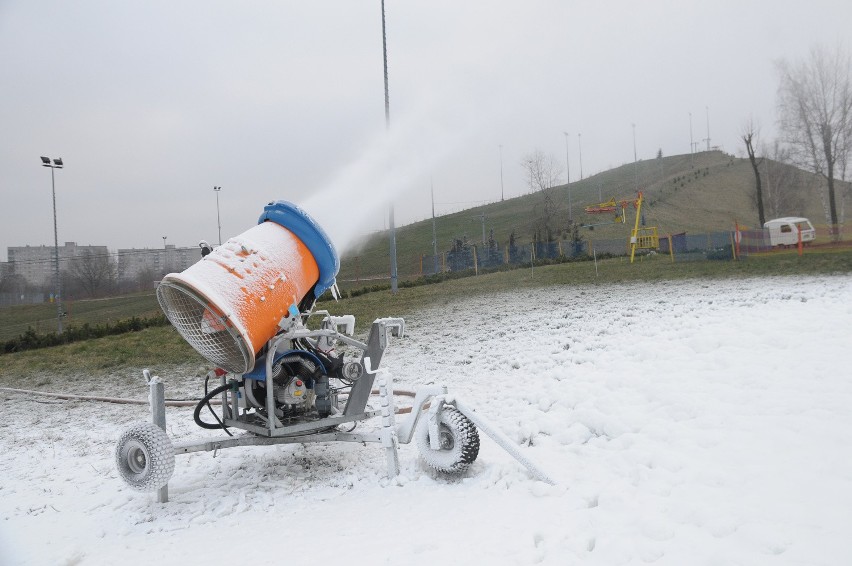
(641, 237)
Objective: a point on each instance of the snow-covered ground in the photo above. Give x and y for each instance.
(686, 423)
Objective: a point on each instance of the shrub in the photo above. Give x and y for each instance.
(30, 340)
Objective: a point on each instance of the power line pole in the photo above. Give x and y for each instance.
(707, 109)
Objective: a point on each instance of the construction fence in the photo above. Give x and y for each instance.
(683, 247)
(712, 246)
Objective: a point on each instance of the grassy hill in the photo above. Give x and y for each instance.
(698, 193)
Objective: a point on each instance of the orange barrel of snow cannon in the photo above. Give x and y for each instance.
(229, 304)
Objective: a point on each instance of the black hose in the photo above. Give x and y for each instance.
(205, 401)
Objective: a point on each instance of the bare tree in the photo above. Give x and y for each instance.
(815, 108)
(750, 134)
(783, 194)
(544, 175)
(93, 272)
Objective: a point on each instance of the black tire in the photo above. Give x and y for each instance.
(145, 457)
(459, 442)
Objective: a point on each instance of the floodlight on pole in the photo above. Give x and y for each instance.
(57, 164)
(218, 220)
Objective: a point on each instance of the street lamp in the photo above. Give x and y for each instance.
(580, 147)
(218, 221)
(57, 164)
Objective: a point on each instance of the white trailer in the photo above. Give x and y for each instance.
(784, 232)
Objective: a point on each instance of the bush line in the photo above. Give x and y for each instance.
(451, 275)
(31, 340)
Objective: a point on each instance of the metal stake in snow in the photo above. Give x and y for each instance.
(503, 441)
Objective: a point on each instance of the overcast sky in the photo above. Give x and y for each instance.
(152, 104)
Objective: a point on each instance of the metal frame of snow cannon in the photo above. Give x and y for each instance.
(430, 401)
(356, 405)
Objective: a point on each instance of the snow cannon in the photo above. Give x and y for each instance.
(282, 378)
(230, 303)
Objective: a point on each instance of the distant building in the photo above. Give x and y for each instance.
(158, 261)
(36, 263)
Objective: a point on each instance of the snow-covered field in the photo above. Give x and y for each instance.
(687, 423)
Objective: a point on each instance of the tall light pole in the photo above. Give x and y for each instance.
(218, 221)
(707, 109)
(164, 242)
(580, 147)
(393, 270)
(502, 194)
(57, 164)
(568, 175)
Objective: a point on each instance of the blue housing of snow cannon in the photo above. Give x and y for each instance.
(305, 228)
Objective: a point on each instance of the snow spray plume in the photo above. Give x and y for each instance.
(395, 162)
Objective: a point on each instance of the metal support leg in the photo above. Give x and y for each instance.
(158, 413)
(502, 440)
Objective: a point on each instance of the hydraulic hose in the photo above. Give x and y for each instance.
(196, 414)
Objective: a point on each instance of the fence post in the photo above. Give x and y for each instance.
(671, 248)
(475, 263)
(800, 239)
(738, 236)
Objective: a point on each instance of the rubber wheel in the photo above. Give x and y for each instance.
(459, 442)
(145, 457)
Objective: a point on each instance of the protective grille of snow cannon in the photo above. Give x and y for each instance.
(204, 328)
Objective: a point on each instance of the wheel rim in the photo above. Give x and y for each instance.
(136, 458)
(446, 439)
